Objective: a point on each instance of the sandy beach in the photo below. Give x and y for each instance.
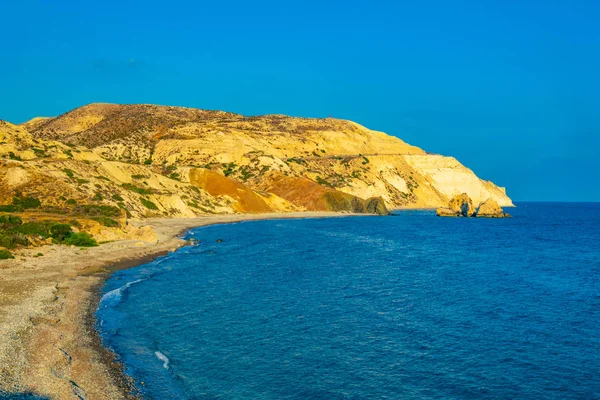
(48, 344)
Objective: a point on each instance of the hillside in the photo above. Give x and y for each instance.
(149, 161)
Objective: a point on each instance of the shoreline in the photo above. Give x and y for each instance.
(48, 342)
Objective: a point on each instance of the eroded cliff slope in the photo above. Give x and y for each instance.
(172, 161)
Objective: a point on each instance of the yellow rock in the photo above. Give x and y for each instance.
(459, 206)
(490, 209)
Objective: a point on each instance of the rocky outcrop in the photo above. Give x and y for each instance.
(462, 206)
(490, 209)
(446, 212)
(310, 195)
(376, 205)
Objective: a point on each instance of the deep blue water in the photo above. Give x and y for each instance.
(406, 307)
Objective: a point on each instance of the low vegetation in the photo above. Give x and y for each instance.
(148, 204)
(16, 233)
(5, 254)
(21, 203)
(136, 189)
(229, 169)
(13, 156)
(81, 239)
(106, 221)
(97, 210)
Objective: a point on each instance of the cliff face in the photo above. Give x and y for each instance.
(174, 161)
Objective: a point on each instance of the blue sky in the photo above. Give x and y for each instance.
(510, 88)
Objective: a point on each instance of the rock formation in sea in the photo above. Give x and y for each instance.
(462, 206)
(459, 206)
(490, 209)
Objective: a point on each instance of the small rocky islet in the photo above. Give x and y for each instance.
(462, 206)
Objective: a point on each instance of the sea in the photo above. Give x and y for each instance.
(409, 306)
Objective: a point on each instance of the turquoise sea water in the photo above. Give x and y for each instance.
(405, 307)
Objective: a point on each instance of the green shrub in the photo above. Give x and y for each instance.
(111, 223)
(69, 172)
(148, 204)
(13, 156)
(229, 168)
(10, 221)
(26, 202)
(82, 181)
(81, 239)
(292, 159)
(322, 181)
(5, 254)
(6, 240)
(117, 197)
(34, 228)
(68, 152)
(71, 202)
(245, 172)
(133, 188)
(11, 239)
(98, 197)
(39, 255)
(97, 210)
(138, 176)
(148, 162)
(14, 233)
(60, 232)
(39, 152)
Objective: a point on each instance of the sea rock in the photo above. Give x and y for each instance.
(446, 212)
(459, 206)
(376, 205)
(490, 209)
(462, 204)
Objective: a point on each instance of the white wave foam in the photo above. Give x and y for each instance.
(112, 298)
(162, 358)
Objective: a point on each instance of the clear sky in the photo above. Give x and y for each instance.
(510, 88)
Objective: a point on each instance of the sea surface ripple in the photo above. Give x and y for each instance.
(405, 307)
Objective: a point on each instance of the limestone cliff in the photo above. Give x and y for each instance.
(174, 161)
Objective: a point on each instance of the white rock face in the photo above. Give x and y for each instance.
(451, 178)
